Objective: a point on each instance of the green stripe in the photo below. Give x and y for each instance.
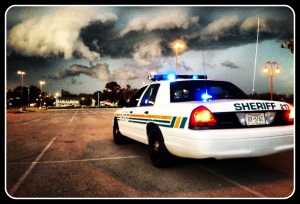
(157, 122)
(142, 119)
(183, 121)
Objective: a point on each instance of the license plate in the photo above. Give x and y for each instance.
(255, 119)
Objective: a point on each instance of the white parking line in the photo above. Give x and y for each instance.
(73, 117)
(24, 176)
(32, 121)
(82, 160)
(258, 194)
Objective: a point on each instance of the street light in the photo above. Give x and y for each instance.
(270, 71)
(41, 86)
(21, 73)
(98, 97)
(178, 44)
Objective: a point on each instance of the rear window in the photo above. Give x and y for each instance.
(196, 90)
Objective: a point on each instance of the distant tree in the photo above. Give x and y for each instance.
(289, 44)
(9, 94)
(130, 93)
(34, 93)
(65, 93)
(111, 91)
(112, 87)
(9, 97)
(86, 99)
(128, 87)
(20, 95)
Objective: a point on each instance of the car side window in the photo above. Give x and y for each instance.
(150, 95)
(136, 97)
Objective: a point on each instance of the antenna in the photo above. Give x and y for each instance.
(255, 58)
(204, 73)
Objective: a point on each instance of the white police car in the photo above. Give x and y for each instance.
(191, 116)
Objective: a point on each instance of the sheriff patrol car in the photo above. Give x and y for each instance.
(190, 116)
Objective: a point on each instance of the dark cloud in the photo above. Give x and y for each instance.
(229, 64)
(140, 38)
(100, 35)
(100, 71)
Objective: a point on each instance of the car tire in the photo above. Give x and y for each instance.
(159, 154)
(118, 137)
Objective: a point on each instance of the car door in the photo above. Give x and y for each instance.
(138, 113)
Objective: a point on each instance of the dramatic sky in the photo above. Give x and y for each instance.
(81, 48)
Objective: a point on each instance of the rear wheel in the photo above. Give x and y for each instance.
(118, 137)
(159, 155)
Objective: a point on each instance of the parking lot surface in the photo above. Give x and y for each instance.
(66, 154)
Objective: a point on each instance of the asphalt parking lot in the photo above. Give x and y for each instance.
(67, 154)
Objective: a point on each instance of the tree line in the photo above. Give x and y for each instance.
(32, 95)
(113, 92)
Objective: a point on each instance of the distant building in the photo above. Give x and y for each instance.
(70, 101)
(66, 101)
(93, 102)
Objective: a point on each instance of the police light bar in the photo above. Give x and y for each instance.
(159, 77)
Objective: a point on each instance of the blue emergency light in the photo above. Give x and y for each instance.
(206, 97)
(159, 77)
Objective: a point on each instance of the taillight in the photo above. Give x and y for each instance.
(291, 114)
(202, 117)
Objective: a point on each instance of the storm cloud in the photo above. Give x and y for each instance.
(88, 40)
(90, 34)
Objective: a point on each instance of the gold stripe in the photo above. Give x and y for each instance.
(118, 114)
(177, 122)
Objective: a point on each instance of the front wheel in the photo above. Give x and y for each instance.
(159, 155)
(118, 137)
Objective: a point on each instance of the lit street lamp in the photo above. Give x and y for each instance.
(270, 71)
(178, 44)
(41, 86)
(21, 73)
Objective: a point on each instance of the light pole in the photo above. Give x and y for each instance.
(98, 99)
(178, 44)
(270, 71)
(21, 73)
(41, 86)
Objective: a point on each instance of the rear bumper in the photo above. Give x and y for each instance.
(229, 143)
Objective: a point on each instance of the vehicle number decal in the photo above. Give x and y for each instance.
(124, 117)
(284, 106)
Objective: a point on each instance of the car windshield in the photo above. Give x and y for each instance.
(199, 90)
